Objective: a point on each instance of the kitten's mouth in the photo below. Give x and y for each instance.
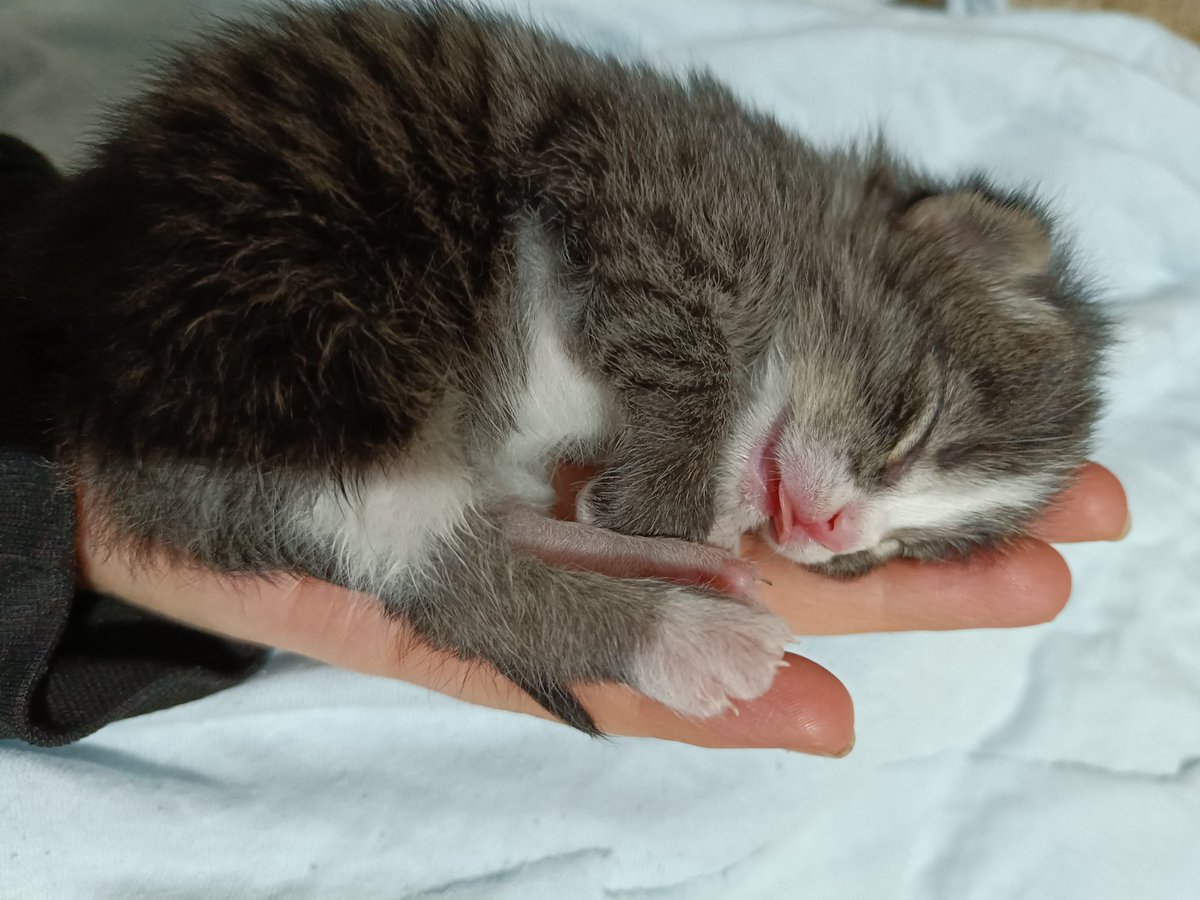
(766, 467)
(767, 496)
(769, 500)
(763, 466)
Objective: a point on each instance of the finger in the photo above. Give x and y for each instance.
(1025, 585)
(807, 709)
(1093, 508)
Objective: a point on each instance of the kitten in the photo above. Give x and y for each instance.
(343, 285)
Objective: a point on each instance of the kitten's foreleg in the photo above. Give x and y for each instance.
(577, 545)
(672, 372)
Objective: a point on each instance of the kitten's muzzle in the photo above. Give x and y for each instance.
(801, 516)
(797, 522)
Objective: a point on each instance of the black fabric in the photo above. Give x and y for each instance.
(25, 176)
(27, 182)
(71, 662)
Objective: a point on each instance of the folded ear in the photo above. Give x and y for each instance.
(1010, 240)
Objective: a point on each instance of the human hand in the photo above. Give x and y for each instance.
(807, 709)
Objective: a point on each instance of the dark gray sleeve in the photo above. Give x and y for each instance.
(72, 661)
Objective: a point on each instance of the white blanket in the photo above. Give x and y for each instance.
(1054, 762)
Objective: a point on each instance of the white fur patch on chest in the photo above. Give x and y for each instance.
(384, 525)
(558, 403)
(737, 487)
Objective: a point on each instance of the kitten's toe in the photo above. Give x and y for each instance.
(638, 505)
(606, 502)
(585, 504)
(709, 651)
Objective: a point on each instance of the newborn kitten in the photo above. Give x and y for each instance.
(342, 287)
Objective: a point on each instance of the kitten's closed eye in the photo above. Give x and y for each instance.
(970, 443)
(914, 440)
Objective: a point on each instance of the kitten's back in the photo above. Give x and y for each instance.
(283, 251)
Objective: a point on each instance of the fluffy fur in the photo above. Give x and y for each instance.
(341, 286)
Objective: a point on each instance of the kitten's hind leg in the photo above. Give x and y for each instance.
(548, 628)
(414, 536)
(465, 587)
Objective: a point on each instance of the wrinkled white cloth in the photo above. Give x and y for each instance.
(1061, 761)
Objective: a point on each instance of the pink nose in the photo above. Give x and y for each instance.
(793, 521)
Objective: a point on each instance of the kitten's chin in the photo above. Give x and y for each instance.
(808, 554)
(835, 565)
(850, 565)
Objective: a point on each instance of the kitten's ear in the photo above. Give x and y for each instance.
(1010, 240)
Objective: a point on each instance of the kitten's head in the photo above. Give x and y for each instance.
(945, 386)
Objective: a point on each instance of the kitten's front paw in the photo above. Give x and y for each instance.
(709, 651)
(585, 506)
(599, 504)
(650, 507)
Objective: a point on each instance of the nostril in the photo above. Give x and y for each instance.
(832, 523)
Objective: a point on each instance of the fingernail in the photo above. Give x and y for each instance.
(1125, 531)
(838, 754)
(831, 754)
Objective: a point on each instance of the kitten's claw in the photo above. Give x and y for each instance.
(737, 576)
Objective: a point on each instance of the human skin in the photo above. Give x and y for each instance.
(807, 709)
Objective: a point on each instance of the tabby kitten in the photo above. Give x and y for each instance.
(343, 285)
